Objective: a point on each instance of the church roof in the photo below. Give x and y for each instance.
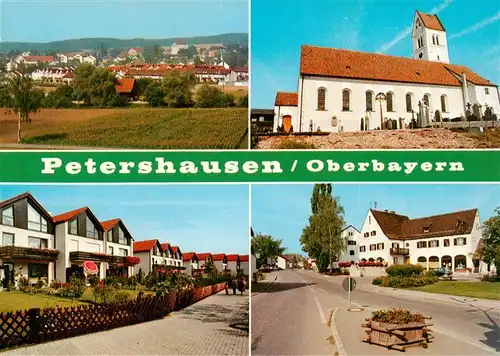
(431, 21)
(341, 63)
(286, 99)
(400, 227)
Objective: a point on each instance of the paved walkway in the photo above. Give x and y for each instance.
(217, 325)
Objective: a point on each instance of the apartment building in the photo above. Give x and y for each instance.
(351, 237)
(190, 262)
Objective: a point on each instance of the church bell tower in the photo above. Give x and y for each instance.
(429, 39)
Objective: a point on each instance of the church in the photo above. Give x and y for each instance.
(342, 90)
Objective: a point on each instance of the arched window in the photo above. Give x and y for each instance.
(346, 100)
(369, 101)
(437, 40)
(321, 98)
(409, 106)
(443, 103)
(427, 100)
(389, 99)
(433, 39)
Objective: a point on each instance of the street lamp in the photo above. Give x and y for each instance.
(381, 97)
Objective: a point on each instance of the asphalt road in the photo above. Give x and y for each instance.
(290, 317)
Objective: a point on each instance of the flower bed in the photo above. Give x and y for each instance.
(372, 264)
(345, 264)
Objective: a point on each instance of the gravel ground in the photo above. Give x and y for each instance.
(391, 139)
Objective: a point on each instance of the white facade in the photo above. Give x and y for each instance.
(177, 47)
(351, 236)
(220, 266)
(245, 267)
(335, 119)
(281, 262)
(454, 251)
(429, 44)
(283, 111)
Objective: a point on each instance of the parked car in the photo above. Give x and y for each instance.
(443, 272)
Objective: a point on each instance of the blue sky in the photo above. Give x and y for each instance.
(283, 210)
(200, 218)
(280, 27)
(44, 21)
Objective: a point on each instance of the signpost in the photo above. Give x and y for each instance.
(349, 284)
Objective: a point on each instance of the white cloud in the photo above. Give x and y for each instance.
(477, 26)
(407, 30)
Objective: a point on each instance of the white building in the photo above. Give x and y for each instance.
(172, 257)
(190, 261)
(177, 46)
(220, 261)
(52, 75)
(233, 263)
(285, 108)
(204, 259)
(245, 265)
(282, 262)
(119, 245)
(151, 254)
(27, 245)
(338, 89)
(351, 236)
(441, 240)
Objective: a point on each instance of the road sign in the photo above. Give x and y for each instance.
(349, 282)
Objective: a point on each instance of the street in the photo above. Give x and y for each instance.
(291, 317)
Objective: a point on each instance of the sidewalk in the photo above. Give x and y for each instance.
(349, 333)
(217, 325)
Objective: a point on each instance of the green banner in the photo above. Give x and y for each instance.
(249, 166)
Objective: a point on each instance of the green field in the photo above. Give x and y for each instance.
(144, 128)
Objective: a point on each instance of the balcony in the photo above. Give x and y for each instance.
(400, 251)
(28, 253)
(124, 261)
(89, 256)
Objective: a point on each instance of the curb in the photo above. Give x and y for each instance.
(336, 336)
(265, 289)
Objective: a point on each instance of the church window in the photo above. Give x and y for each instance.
(389, 100)
(487, 91)
(443, 103)
(437, 40)
(321, 99)
(409, 106)
(346, 100)
(427, 100)
(433, 39)
(369, 101)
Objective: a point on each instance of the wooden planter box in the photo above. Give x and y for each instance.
(397, 337)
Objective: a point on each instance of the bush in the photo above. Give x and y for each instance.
(405, 281)
(93, 280)
(377, 281)
(404, 270)
(78, 285)
(396, 316)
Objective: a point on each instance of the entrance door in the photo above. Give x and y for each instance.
(287, 123)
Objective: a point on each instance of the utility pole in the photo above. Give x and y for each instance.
(330, 253)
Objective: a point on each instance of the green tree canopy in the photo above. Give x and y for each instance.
(96, 86)
(153, 94)
(210, 96)
(491, 241)
(264, 247)
(321, 238)
(177, 87)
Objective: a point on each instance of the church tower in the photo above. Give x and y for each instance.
(429, 39)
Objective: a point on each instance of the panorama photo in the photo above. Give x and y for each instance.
(116, 74)
(372, 75)
(125, 270)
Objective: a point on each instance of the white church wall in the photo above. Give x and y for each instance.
(492, 98)
(280, 111)
(351, 120)
(435, 52)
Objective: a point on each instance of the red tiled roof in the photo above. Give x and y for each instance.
(188, 256)
(431, 21)
(286, 99)
(219, 256)
(165, 246)
(175, 249)
(232, 257)
(109, 224)
(202, 256)
(244, 258)
(400, 227)
(339, 63)
(69, 215)
(44, 59)
(125, 85)
(240, 69)
(144, 246)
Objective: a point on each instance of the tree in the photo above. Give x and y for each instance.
(23, 100)
(177, 87)
(81, 83)
(96, 86)
(152, 54)
(197, 60)
(321, 238)
(142, 84)
(242, 101)
(264, 247)
(153, 94)
(491, 241)
(189, 52)
(59, 98)
(209, 96)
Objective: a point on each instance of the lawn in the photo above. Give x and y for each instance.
(13, 301)
(145, 128)
(484, 290)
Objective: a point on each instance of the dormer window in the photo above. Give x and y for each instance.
(73, 227)
(121, 237)
(8, 216)
(427, 228)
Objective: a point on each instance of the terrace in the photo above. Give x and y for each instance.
(28, 253)
(399, 251)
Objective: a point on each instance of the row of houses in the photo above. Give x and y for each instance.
(155, 255)
(35, 244)
(450, 240)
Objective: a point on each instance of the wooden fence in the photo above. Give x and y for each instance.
(34, 326)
